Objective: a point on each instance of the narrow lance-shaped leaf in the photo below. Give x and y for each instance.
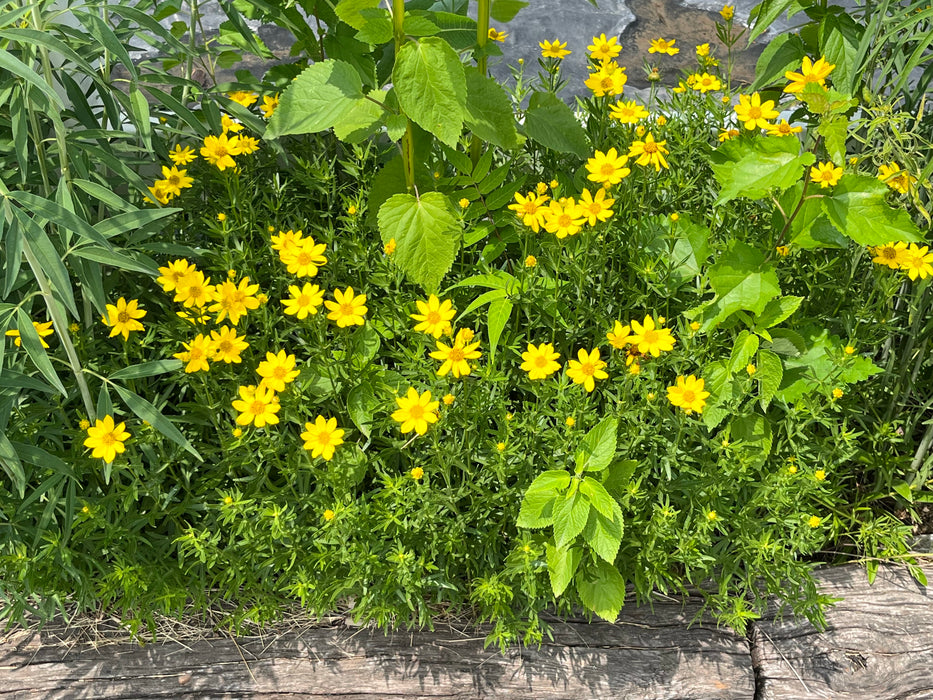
(147, 412)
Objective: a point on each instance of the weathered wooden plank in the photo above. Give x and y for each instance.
(645, 655)
(878, 643)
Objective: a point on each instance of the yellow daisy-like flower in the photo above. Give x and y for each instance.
(448, 399)
(554, 49)
(826, 174)
(329, 515)
(415, 411)
(895, 178)
(42, 329)
(197, 353)
(586, 369)
(607, 168)
(182, 156)
(160, 192)
(219, 150)
(619, 336)
(287, 241)
(890, 254)
(496, 35)
(531, 261)
(389, 247)
(322, 437)
(277, 370)
(416, 473)
(530, 209)
(610, 79)
(228, 345)
(540, 361)
(650, 338)
(814, 521)
(173, 273)
(603, 49)
(234, 300)
(229, 124)
(455, 357)
(726, 134)
(305, 258)
(269, 105)
(248, 144)
(916, 261)
(688, 394)
(649, 152)
(175, 180)
(106, 439)
(433, 316)
(122, 318)
(663, 46)
(810, 72)
(348, 309)
(563, 218)
(243, 97)
(257, 405)
(627, 112)
(754, 113)
(783, 129)
(598, 208)
(704, 82)
(194, 289)
(727, 12)
(304, 301)
(702, 50)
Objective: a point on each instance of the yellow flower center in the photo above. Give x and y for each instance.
(303, 258)
(107, 439)
(257, 408)
(540, 361)
(219, 151)
(608, 169)
(530, 208)
(279, 372)
(196, 353)
(754, 113)
(587, 369)
(433, 317)
(606, 82)
(650, 337)
(323, 438)
(416, 411)
(346, 309)
(304, 300)
(564, 221)
(650, 147)
(689, 397)
(456, 355)
(225, 347)
(123, 317)
(888, 253)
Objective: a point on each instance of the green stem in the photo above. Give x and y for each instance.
(408, 144)
(482, 38)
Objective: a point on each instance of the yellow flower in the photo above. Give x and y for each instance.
(753, 112)
(228, 123)
(553, 49)
(322, 437)
(464, 203)
(106, 439)
(434, 316)
(608, 167)
(610, 79)
(619, 336)
(234, 299)
(826, 174)
(554, 184)
(627, 112)
(531, 261)
(509, 416)
(688, 394)
(727, 12)
(586, 369)
(455, 357)
(221, 217)
(227, 345)
(704, 82)
(564, 218)
(122, 317)
(649, 338)
(726, 134)
(530, 209)
(819, 475)
(243, 97)
(305, 258)
(415, 412)
(248, 144)
(269, 105)
(703, 50)
(182, 156)
(84, 424)
(674, 217)
(782, 250)
(895, 178)
(596, 208)
(328, 515)
(286, 241)
(751, 369)
(175, 180)
(496, 35)
(711, 516)
(916, 261)
(257, 405)
(603, 49)
(500, 446)
(159, 190)
(237, 432)
(849, 350)
(792, 469)
(783, 129)
(837, 393)
(389, 247)
(663, 46)
(348, 309)
(541, 187)
(649, 152)
(814, 521)
(540, 361)
(42, 329)
(194, 289)
(219, 151)
(304, 301)
(695, 326)
(890, 254)
(277, 370)
(416, 473)
(199, 351)
(634, 369)
(810, 73)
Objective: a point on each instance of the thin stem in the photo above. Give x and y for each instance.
(482, 38)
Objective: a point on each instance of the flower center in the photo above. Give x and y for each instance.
(456, 355)
(196, 353)
(225, 347)
(531, 208)
(608, 169)
(279, 372)
(650, 337)
(433, 318)
(416, 411)
(650, 147)
(540, 361)
(304, 300)
(754, 113)
(108, 439)
(257, 408)
(689, 397)
(587, 369)
(304, 258)
(889, 253)
(323, 438)
(564, 221)
(606, 82)
(220, 151)
(123, 317)
(346, 309)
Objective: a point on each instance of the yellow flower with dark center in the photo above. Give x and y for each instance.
(305, 258)
(160, 192)
(227, 345)
(663, 46)
(219, 150)
(348, 309)
(916, 261)
(627, 112)
(496, 35)
(688, 394)
(540, 361)
(122, 318)
(175, 180)
(564, 218)
(197, 354)
(554, 49)
(810, 72)
(182, 156)
(827, 174)
(649, 152)
(277, 370)
(610, 79)
(619, 336)
(586, 369)
(304, 301)
(455, 357)
(415, 411)
(269, 105)
(890, 254)
(234, 300)
(433, 316)
(530, 209)
(895, 178)
(603, 49)
(322, 437)
(608, 167)
(173, 273)
(754, 113)
(243, 97)
(650, 338)
(783, 129)
(42, 329)
(194, 289)
(106, 439)
(596, 208)
(704, 82)
(257, 405)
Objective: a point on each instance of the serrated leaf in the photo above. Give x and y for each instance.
(537, 509)
(505, 10)
(489, 111)
(778, 310)
(616, 478)
(840, 36)
(553, 124)
(323, 94)
(834, 130)
(857, 208)
(602, 590)
(752, 438)
(743, 280)
(570, 515)
(754, 167)
(377, 26)
(769, 375)
(604, 534)
(562, 563)
(746, 345)
(598, 496)
(598, 447)
(810, 228)
(783, 53)
(349, 11)
(364, 120)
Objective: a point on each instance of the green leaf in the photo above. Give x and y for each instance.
(604, 534)
(120, 261)
(12, 466)
(902, 488)
(810, 228)
(147, 412)
(321, 96)
(496, 319)
(562, 563)
(484, 298)
(782, 54)
(349, 11)
(570, 516)
(361, 405)
(753, 167)
(142, 119)
(505, 10)
(18, 68)
(597, 495)
(537, 509)
(751, 436)
(431, 87)
(743, 280)
(48, 258)
(617, 477)
(840, 36)
(602, 590)
(765, 14)
(555, 480)
(745, 347)
(132, 221)
(32, 344)
(598, 447)
(553, 124)
(147, 369)
(691, 249)
(419, 25)
(363, 121)
(427, 235)
(489, 111)
(377, 27)
(857, 208)
(834, 129)
(776, 311)
(769, 375)
(62, 217)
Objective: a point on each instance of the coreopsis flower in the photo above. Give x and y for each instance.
(257, 405)
(455, 357)
(277, 370)
(554, 49)
(702, 50)
(229, 124)
(890, 254)
(433, 316)
(531, 261)
(269, 105)
(727, 12)
(105, 438)
(228, 346)
(329, 515)
(814, 521)
(389, 247)
(182, 156)
(416, 473)
(895, 178)
(248, 144)
(42, 329)
(810, 72)
(649, 152)
(540, 361)
(219, 150)
(304, 301)
(175, 180)
(838, 393)
(287, 241)
(234, 300)
(598, 208)
(627, 112)
(726, 134)
(322, 437)
(607, 168)
(530, 209)
(243, 97)
(648, 337)
(348, 309)
(586, 369)
(603, 49)
(704, 82)
(415, 411)
(563, 218)
(194, 289)
(688, 394)
(496, 35)
(917, 262)
(305, 258)
(663, 46)
(173, 273)
(160, 192)
(783, 129)
(753, 112)
(619, 335)
(122, 318)
(827, 174)
(610, 79)
(197, 353)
